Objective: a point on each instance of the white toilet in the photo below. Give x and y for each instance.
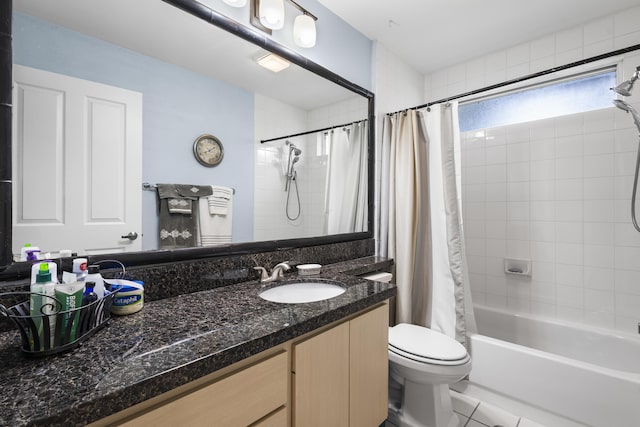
(425, 362)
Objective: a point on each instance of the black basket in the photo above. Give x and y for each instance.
(71, 327)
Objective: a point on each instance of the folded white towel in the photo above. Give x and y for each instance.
(218, 206)
(215, 229)
(220, 200)
(222, 192)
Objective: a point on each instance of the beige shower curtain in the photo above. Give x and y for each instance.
(419, 220)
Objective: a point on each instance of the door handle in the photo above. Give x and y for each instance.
(131, 236)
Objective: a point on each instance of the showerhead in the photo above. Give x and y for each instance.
(293, 148)
(629, 109)
(626, 87)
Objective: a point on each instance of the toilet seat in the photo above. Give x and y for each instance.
(424, 345)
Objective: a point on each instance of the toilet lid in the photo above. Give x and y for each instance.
(425, 343)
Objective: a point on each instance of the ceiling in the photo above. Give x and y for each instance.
(159, 30)
(434, 34)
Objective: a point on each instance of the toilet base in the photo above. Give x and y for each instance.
(425, 406)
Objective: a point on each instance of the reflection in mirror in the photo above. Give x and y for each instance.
(106, 99)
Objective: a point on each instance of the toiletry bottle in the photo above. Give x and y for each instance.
(43, 305)
(79, 267)
(89, 295)
(53, 269)
(25, 248)
(70, 295)
(94, 276)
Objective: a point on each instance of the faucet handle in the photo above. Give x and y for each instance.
(277, 272)
(263, 273)
(283, 265)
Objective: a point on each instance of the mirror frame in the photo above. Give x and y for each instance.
(16, 270)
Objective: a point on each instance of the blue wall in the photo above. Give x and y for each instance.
(178, 106)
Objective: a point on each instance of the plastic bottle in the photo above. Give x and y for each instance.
(89, 295)
(80, 269)
(25, 248)
(41, 306)
(94, 276)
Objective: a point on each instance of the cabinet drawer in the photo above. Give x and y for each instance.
(277, 419)
(237, 400)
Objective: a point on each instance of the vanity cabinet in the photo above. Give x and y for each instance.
(339, 377)
(334, 376)
(239, 399)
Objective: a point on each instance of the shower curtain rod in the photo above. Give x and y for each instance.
(524, 78)
(262, 141)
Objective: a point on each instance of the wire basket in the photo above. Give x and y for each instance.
(57, 331)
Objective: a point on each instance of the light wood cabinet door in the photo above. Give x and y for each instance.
(237, 400)
(368, 369)
(321, 379)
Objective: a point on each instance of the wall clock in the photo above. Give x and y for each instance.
(208, 150)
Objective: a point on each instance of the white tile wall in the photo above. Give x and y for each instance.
(556, 191)
(274, 119)
(563, 215)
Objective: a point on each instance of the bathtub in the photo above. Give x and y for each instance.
(588, 375)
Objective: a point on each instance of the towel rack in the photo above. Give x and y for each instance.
(152, 187)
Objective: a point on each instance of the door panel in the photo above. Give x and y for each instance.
(77, 164)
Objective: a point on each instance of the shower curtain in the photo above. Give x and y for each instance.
(419, 222)
(347, 186)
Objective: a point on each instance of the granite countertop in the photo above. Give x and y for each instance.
(169, 343)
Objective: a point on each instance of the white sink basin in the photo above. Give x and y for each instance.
(301, 292)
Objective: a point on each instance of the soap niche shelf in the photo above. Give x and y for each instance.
(517, 267)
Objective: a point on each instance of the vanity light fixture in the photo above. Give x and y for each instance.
(268, 15)
(273, 62)
(236, 3)
(304, 31)
(271, 13)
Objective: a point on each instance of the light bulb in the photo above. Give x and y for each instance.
(304, 31)
(271, 13)
(236, 3)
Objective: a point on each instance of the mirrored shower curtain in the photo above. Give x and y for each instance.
(419, 220)
(347, 186)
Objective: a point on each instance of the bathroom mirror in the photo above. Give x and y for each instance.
(194, 78)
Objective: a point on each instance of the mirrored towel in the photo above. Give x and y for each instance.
(193, 192)
(180, 206)
(176, 230)
(215, 229)
(220, 200)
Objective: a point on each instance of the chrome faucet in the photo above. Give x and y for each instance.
(277, 272)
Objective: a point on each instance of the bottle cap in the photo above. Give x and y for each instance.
(93, 269)
(89, 285)
(79, 265)
(44, 275)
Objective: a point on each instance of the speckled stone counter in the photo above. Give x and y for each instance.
(169, 343)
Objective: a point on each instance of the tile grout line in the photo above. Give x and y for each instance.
(471, 414)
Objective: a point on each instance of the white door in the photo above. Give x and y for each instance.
(77, 164)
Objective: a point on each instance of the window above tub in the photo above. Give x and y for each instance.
(558, 98)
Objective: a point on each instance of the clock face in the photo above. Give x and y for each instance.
(208, 150)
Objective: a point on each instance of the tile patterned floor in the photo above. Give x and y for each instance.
(475, 413)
